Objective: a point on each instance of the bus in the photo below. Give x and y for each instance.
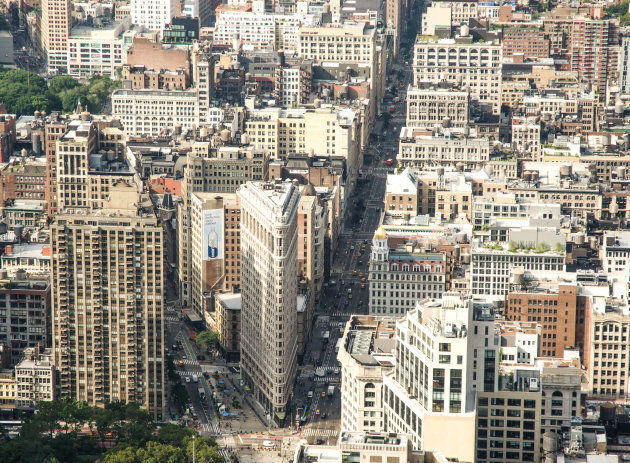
(338, 345)
(303, 417)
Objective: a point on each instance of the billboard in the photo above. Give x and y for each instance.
(212, 231)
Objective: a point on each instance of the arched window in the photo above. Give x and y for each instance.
(557, 394)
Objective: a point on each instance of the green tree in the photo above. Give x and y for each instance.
(207, 339)
(175, 435)
(60, 84)
(156, 452)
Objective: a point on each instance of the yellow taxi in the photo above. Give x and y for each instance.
(349, 296)
(354, 272)
(317, 411)
(362, 286)
(361, 275)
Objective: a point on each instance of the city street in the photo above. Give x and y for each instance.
(346, 293)
(323, 413)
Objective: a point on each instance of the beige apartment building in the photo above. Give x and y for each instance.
(107, 302)
(228, 324)
(269, 292)
(35, 378)
(55, 28)
(366, 353)
(430, 104)
(89, 161)
(220, 170)
(428, 151)
(220, 269)
(312, 226)
(346, 42)
(464, 62)
(323, 132)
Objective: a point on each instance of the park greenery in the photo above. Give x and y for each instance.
(23, 93)
(70, 431)
(620, 11)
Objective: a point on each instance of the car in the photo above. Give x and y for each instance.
(354, 272)
(198, 357)
(324, 415)
(362, 285)
(185, 357)
(349, 296)
(323, 393)
(317, 411)
(361, 275)
(319, 441)
(319, 363)
(358, 254)
(268, 444)
(310, 394)
(360, 263)
(363, 246)
(187, 379)
(363, 280)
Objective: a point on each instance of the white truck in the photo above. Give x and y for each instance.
(331, 391)
(195, 378)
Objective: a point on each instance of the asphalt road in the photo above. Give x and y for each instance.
(335, 308)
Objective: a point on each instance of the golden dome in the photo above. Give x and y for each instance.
(380, 234)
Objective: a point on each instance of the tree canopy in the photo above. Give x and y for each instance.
(24, 92)
(68, 431)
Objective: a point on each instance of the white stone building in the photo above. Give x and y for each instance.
(269, 292)
(366, 354)
(152, 14)
(446, 351)
(462, 61)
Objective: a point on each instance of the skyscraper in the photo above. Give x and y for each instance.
(269, 291)
(55, 30)
(107, 305)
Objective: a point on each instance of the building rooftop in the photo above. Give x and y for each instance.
(370, 340)
(230, 301)
(28, 250)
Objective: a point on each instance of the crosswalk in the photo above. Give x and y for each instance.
(188, 362)
(212, 428)
(171, 319)
(340, 314)
(317, 432)
(325, 379)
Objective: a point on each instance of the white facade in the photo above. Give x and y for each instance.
(269, 291)
(427, 107)
(475, 65)
(152, 14)
(624, 60)
(366, 355)
(446, 350)
(149, 112)
(491, 269)
(35, 378)
(526, 137)
(400, 277)
(425, 151)
(94, 51)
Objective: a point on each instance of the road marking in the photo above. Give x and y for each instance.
(318, 432)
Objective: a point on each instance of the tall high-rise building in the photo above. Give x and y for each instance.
(215, 249)
(152, 14)
(55, 30)
(107, 304)
(269, 291)
(446, 352)
(594, 49)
